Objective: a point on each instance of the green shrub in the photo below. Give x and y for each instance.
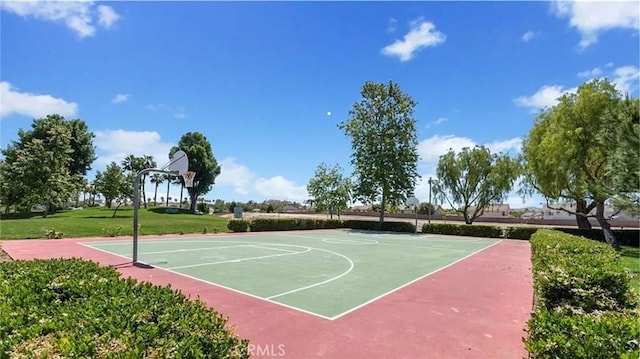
(238, 225)
(202, 207)
(275, 224)
(53, 234)
(473, 230)
(519, 232)
(582, 300)
(574, 272)
(404, 227)
(74, 308)
(601, 335)
(627, 237)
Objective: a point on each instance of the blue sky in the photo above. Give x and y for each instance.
(268, 82)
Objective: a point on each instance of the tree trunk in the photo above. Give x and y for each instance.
(155, 196)
(467, 219)
(193, 197)
(581, 215)
(144, 193)
(168, 184)
(382, 206)
(606, 227)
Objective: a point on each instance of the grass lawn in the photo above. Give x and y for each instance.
(630, 258)
(97, 222)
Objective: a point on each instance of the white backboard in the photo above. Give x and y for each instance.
(179, 162)
(412, 201)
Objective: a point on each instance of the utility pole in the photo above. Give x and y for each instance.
(429, 208)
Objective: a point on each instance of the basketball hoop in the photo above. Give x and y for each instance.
(188, 177)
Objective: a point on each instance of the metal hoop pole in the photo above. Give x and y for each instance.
(136, 204)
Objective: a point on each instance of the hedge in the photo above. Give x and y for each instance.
(603, 335)
(583, 305)
(404, 227)
(519, 232)
(238, 225)
(289, 224)
(74, 308)
(627, 237)
(463, 230)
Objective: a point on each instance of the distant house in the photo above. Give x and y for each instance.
(361, 208)
(494, 210)
(555, 211)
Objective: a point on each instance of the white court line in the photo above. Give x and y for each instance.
(193, 249)
(224, 286)
(275, 249)
(351, 265)
(240, 259)
(411, 282)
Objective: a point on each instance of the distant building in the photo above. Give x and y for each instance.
(494, 210)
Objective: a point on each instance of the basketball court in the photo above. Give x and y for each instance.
(337, 293)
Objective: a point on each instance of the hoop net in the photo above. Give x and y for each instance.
(188, 178)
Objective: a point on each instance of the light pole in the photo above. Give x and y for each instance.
(429, 208)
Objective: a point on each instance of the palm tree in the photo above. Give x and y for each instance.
(146, 161)
(156, 179)
(167, 177)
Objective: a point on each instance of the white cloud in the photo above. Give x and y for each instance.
(391, 27)
(591, 18)
(32, 105)
(79, 16)
(432, 148)
(596, 71)
(626, 79)
(546, 96)
(422, 34)
(246, 183)
(278, 187)
(106, 16)
(115, 145)
(511, 145)
(528, 36)
(120, 98)
(235, 175)
(437, 121)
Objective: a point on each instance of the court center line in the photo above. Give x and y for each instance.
(351, 266)
(239, 260)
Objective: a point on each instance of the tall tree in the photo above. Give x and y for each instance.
(569, 150)
(68, 145)
(201, 160)
(111, 183)
(384, 143)
(624, 166)
(157, 179)
(37, 165)
(474, 178)
(330, 190)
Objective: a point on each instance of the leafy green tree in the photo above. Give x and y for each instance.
(384, 143)
(37, 165)
(112, 183)
(65, 153)
(570, 149)
(473, 178)
(330, 190)
(625, 166)
(202, 161)
(426, 208)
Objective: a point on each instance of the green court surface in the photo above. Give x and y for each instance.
(324, 273)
